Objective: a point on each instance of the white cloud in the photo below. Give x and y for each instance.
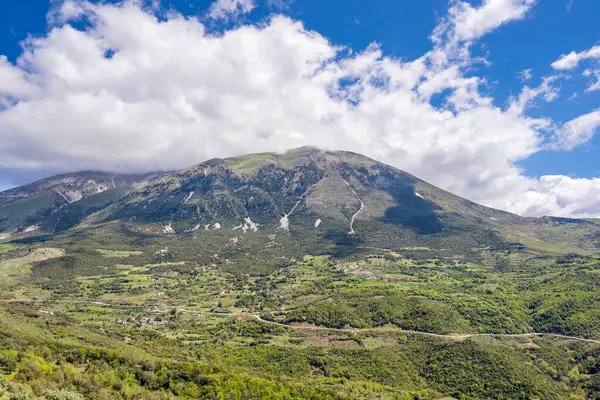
(595, 84)
(463, 25)
(467, 23)
(224, 9)
(546, 90)
(572, 60)
(62, 12)
(574, 197)
(13, 83)
(578, 130)
(169, 94)
(280, 4)
(526, 74)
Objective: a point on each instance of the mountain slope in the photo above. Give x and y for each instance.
(338, 199)
(307, 190)
(35, 205)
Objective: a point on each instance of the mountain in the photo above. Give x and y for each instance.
(342, 199)
(31, 207)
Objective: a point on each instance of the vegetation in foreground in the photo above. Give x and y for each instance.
(115, 316)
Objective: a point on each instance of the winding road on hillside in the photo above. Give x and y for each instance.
(452, 336)
(455, 336)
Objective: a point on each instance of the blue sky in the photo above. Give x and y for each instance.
(502, 39)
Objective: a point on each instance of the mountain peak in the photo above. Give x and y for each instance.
(250, 163)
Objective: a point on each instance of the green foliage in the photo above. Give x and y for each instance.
(372, 308)
(488, 371)
(62, 395)
(25, 211)
(55, 368)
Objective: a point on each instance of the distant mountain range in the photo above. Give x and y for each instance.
(343, 197)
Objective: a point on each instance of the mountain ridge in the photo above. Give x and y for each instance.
(23, 206)
(304, 191)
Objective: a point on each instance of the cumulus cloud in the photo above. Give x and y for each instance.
(224, 9)
(133, 92)
(575, 197)
(13, 83)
